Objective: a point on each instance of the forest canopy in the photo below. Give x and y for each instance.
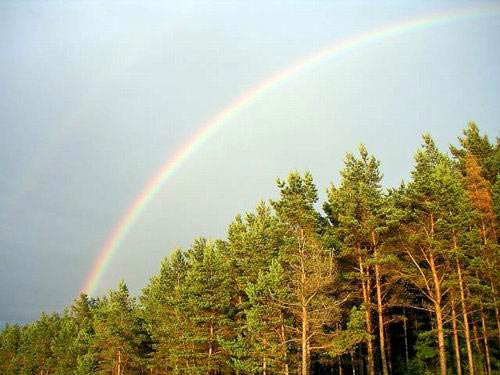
(380, 281)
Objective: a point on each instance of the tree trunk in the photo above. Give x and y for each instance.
(485, 339)
(465, 316)
(497, 317)
(405, 330)
(210, 348)
(264, 360)
(389, 349)
(305, 358)
(283, 343)
(380, 312)
(476, 343)
(119, 364)
(365, 286)
(441, 343)
(497, 313)
(439, 315)
(456, 342)
(380, 307)
(361, 361)
(353, 363)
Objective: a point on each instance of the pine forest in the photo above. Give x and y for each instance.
(374, 280)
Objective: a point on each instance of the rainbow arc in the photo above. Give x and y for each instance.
(209, 128)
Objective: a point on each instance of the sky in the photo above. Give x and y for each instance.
(95, 96)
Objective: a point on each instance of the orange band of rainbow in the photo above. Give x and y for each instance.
(210, 127)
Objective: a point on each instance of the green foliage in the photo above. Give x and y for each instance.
(425, 355)
(119, 333)
(293, 288)
(496, 197)
(206, 294)
(10, 343)
(345, 340)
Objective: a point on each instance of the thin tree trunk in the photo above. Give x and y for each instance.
(380, 307)
(389, 349)
(119, 364)
(264, 360)
(487, 352)
(439, 315)
(304, 341)
(477, 344)
(283, 343)
(210, 348)
(465, 316)
(485, 339)
(353, 363)
(456, 342)
(405, 330)
(361, 361)
(365, 286)
(485, 241)
(380, 313)
(441, 343)
(497, 313)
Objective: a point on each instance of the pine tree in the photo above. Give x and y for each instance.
(428, 248)
(480, 195)
(10, 342)
(496, 199)
(119, 333)
(253, 242)
(309, 268)
(81, 313)
(37, 339)
(163, 310)
(267, 323)
(486, 154)
(206, 295)
(355, 209)
(293, 292)
(479, 190)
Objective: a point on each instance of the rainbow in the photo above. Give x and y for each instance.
(210, 127)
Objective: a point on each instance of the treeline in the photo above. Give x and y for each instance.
(396, 281)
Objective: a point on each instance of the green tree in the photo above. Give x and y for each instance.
(206, 294)
(37, 340)
(253, 242)
(496, 199)
(356, 209)
(435, 198)
(163, 310)
(267, 325)
(293, 292)
(81, 313)
(309, 268)
(119, 333)
(10, 342)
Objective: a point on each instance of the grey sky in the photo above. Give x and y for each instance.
(94, 96)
